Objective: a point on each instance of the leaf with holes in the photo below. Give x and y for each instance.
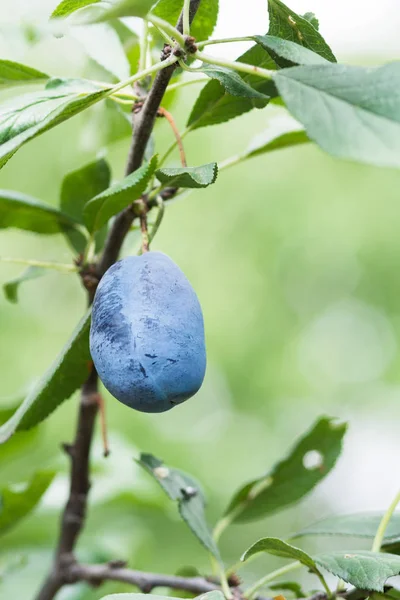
(350, 112)
(290, 480)
(286, 24)
(66, 374)
(363, 525)
(203, 22)
(280, 548)
(186, 491)
(15, 505)
(23, 212)
(11, 287)
(67, 7)
(188, 177)
(233, 83)
(117, 197)
(214, 105)
(288, 54)
(283, 132)
(78, 187)
(12, 73)
(28, 116)
(364, 570)
(311, 18)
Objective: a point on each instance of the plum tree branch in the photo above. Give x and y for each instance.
(73, 517)
(146, 582)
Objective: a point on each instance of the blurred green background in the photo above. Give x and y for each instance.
(295, 258)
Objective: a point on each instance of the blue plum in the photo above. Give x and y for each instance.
(147, 333)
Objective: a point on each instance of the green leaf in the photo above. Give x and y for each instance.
(189, 177)
(68, 372)
(203, 23)
(12, 73)
(130, 42)
(15, 505)
(186, 491)
(280, 548)
(286, 24)
(117, 197)
(214, 105)
(311, 18)
(11, 287)
(292, 478)
(288, 54)
(350, 112)
(119, 8)
(364, 570)
(233, 83)
(103, 45)
(67, 7)
(28, 116)
(23, 212)
(282, 133)
(363, 525)
(80, 186)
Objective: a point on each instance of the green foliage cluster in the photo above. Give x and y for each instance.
(350, 112)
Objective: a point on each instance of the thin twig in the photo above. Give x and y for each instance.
(164, 113)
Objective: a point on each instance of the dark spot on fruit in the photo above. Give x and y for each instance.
(143, 370)
(151, 356)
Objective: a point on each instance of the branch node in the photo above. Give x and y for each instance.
(234, 580)
(190, 44)
(117, 564)
(146, 588)
(179, 52)
(68, 449)
(137, 107)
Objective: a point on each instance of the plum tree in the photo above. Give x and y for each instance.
(147, 333)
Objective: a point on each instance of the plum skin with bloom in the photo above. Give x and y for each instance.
(147, 333)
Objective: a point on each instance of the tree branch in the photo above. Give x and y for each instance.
(75, 511)
(73, 517)
(146, 582)
(96, 575)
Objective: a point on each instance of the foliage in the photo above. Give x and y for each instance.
(349, 112)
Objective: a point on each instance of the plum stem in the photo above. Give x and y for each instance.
(145, 233)
(164, 113)
(103, 420)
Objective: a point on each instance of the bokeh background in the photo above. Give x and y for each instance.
(295, 257)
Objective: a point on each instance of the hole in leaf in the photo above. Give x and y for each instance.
(18, 488)
(161, 472)
(313, 460)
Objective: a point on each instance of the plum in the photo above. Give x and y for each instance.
(147, 333)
